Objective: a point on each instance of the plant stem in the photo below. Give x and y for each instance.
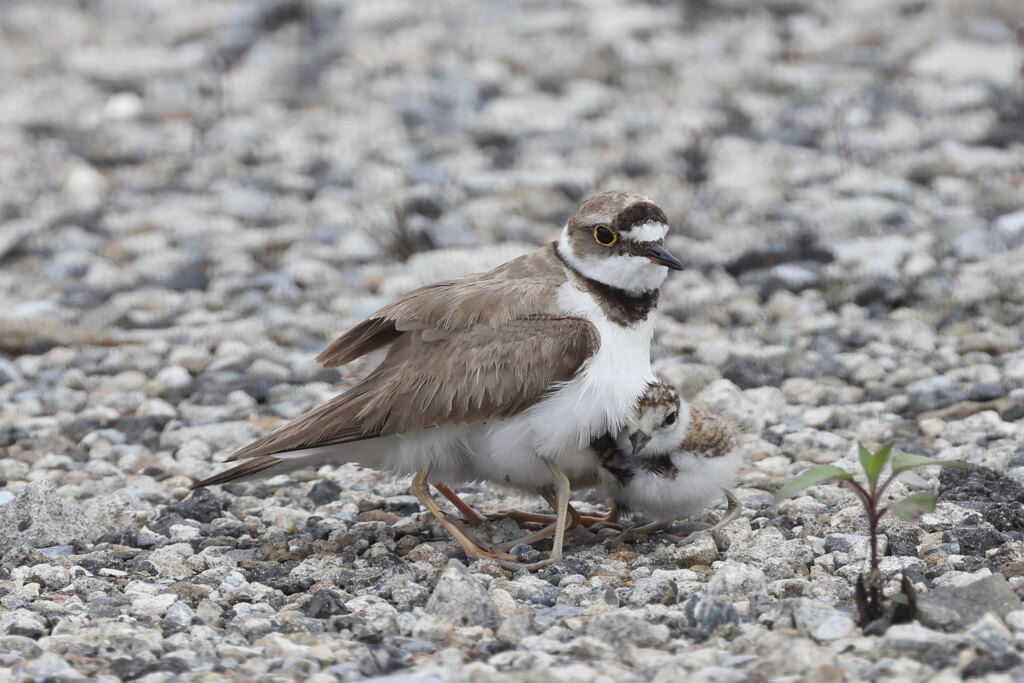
(883, 487)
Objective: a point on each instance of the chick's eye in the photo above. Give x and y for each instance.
(605, 236)
(671, 419)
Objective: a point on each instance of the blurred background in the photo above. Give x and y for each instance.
(197, 195)
(188, 181)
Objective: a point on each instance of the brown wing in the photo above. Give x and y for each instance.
(485, 372)
(519, 288)
(710, 435)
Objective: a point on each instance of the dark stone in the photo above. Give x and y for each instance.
(23, 556)
(882, 294)
(955, 608)
(425, 206)
(163, 523)
(748, 372)
(402, 505)
(974, 540)
(804, 248)
(1012, 414)
(987, 391)
(127, 668)
(703, 617)
(105, 607)
(902, 542)
(323, 492)
(1006, 517)
(191, 275)
(978, 484)
(932, 394)
(525, 553)
(548, 616)
(33, 633)
(141, 429)
(175, 665)
(785, 524)
(290, 585)
(324, 604)
(991, 664)
(202, 506)
(543, 596)
(634, 168)
(360, 630)
(126, 537)
(842, 543)
(791, 277)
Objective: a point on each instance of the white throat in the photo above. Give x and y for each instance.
(634, 274)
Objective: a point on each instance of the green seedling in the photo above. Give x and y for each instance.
(870, 494)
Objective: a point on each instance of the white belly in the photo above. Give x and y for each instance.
(698, 482)
(559, 428)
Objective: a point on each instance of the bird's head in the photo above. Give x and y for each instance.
(618, 239)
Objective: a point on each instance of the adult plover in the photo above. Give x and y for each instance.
(669, 462)
(527, 363)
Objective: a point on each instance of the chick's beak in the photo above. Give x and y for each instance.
(661, 256)
(639, 439)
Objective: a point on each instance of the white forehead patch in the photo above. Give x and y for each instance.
(651, 231)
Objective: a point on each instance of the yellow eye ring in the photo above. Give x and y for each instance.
(605, 236)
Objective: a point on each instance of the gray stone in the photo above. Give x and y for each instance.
(38, 517)
(180, 613)
(627, 626)
(956, 607)
(23, 622)
(978, 244)
(462, 599)
(734, 580)
(21, 646)
(817, 620)
(653, 591)
(704, 616)
(932, 393)
(515, 627)
(219, 436)
(933, 647)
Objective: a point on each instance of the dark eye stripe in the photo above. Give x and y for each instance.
(638, 214)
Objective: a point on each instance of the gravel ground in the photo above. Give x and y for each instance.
(198, 195)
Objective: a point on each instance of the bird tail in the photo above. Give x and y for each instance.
(366, 453)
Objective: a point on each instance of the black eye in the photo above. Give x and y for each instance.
(605, 236)
(671, 419)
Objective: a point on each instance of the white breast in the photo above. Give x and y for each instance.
(604, 393)
(559, 429)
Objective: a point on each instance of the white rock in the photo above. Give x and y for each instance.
(954, 60)
(733, 581)
(170, 379)
(156, 605)
(180, 613)
(725, 398)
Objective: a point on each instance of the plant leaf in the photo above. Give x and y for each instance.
(913, 506)
(873, 463)
(819, 474)
(901, 462)
(900, 598)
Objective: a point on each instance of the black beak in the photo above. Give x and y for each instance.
(639, 439)
(662, 256)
